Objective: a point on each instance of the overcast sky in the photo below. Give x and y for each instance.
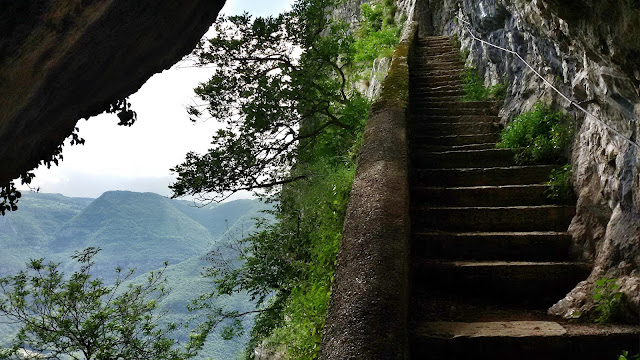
(139, 158)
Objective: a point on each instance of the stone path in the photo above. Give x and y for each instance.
(489, 253)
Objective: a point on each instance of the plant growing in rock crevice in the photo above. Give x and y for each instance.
(474, 89)
(539, 135)
(608, 300)
(559, 185)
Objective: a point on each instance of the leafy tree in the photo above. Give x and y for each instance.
(279, 83)
(80, 317)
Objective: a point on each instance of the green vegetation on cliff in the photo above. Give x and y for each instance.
(294, 126)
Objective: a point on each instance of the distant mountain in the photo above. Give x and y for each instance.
(26, 233)
(219, 218)
(134, 230)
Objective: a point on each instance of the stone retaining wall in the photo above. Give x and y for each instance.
(367, 316)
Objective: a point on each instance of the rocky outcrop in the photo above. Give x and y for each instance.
(590, 51)
(62, 60)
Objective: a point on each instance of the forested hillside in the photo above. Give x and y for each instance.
(135, 231)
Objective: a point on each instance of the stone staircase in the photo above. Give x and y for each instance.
(489, 253)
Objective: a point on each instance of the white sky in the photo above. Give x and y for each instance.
(138, 158)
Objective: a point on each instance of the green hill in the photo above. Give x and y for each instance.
(219, 218)
(26, 233)
(135, 230)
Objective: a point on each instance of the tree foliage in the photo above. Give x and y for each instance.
(81, 317)
(279, 83)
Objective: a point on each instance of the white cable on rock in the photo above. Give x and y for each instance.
(573, 103)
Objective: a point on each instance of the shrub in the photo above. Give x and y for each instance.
(540, 135)
(609, 302)
(559, 185)
(474, 89)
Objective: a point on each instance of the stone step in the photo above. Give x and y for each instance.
(424, 159)
(514, 246)
(433, 56)
(522, 340)
(504, 195)
(428, 43)
(438, 83)
(434, 46)
(427, 109)
(441, 148)
(419, 118)
(439, 93)
(438, 48)
(455, 103)
(454, 140)
(538, 283)
(434, 78)
(493, 219)
(419, 89)
(428, 128)
(477, 176)
(430, 304)
(458, 103)
(441, 66)
(430, 61)
(435, 52)
(429, 73)
(429, 39)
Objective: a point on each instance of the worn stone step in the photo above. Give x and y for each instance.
(503, 195)
(429, 39)
(419, 118)
(441, 66)
(426, 83)
(522, 340)
(439, 93)
(477, 176)
(436, 52)
(425, 159)
(454, 140)
(429, 128)
(433, 78)
(441, 148)
(457, 103)
(434, 46)
(435, 56)
(423, 72)
(516, 246)
(493, 219)
(430, 304)
(417, 89)
(430, 43)
(427, 109)
(538, 283)
(436, 60)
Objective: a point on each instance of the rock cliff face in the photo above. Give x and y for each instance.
(61, 60)
(589, 50)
